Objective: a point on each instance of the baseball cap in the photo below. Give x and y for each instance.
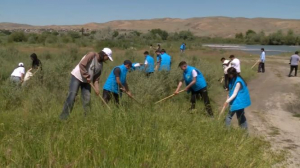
(21, 64)
(108, 52)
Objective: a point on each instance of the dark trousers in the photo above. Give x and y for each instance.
(226, 81)
(203, 93)
(293, 67)
(107, 95)
(261, 67)
(240, 114)
(85, 97)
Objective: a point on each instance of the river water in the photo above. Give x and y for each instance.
(256, 49)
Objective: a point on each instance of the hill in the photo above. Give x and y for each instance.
(206, 26)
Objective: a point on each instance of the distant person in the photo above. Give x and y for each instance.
(158, 47)
(294, 61)
(239, 98)
(36, 63)
(116, 82)
(196, 84)
(261, 66)
(158, 59)
(17, 76)
(148, 64)
(226, 65)
(137, 66)
(85, 74)
(165, 61)
(235, 63)
(182, 47)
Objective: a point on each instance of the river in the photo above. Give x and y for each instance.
(256, 49)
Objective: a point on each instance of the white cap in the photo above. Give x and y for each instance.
(108, 52)
(21, 64)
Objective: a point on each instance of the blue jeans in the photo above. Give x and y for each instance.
(85, 97)
(240, 116)
(16, 80)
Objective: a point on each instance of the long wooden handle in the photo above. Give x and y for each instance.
(255, 64)
(168, 97)
(131, 96)
(223, 109)
(100, 97)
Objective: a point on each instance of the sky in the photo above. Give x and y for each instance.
(72, 12)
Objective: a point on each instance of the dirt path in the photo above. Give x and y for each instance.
(274, 104)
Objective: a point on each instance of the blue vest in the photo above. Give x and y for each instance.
(111, 82)
(150, 67)
(242, 100)
(165, 63)
(182, 47)
(188, 78)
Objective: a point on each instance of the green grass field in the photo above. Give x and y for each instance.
(163, 135)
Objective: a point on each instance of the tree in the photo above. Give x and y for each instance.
(186, 35)
(115, 34)
(162, 33)
(17, 37)
(239, 36)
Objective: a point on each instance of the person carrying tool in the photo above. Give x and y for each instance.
(235, 63)
(294, 61)
(148, 64)
(17, 76)
(195, 83)
(239, 98)
(261, 66)
(85, 74)
(226, 65)
(116, 82)
(164, 62)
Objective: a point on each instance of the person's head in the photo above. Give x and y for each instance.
(33, 56)
(21, 64)
(232, 73)
(297, 52)
(182, 65)
(158, 45)
(231, 57)
(222, 59)
(262, 49)
(157, 52)
(162, 51)
(105, 54)
(146, 53)
(128, 64)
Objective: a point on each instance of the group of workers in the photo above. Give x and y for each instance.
(87, 73)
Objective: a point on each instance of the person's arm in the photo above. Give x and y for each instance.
(83, 64)
(235, 92)
(191, 84)
(178, 87)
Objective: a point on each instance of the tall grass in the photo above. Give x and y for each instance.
(163, 135)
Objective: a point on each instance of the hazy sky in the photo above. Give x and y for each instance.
(47, 12)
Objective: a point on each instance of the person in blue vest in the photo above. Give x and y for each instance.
(137, 66)
(182, 47)
(196, 84)
(148, 64)
(116, 82)
(239, 98)
(158, 58)
(164, 61)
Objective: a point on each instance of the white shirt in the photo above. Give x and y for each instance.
(235, 63)
(235, 92)
(146, 62)
(195, 74)
(225, 67)
(18, 72)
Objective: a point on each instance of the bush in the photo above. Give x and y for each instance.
(17, 37)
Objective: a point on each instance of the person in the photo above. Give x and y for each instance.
(36, 63)
(239, 98)
(158, 58)
(261, 66)
(137, 66)
(148, 64)
(235, 63)
(116, 82)
(182, 47)
(85, 74)
(294, 61)
(158, 47)
(226, 65)
(164, 62)
(17, 76)
(196, 84)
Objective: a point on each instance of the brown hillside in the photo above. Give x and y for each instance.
(207, 26)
